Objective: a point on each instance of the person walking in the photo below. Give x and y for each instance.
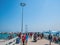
(18, 39)
(26, 38)
(23, 39)
(59, 40)
(50, 38)
(38, 36)
(35, 37)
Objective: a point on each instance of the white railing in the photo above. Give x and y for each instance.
(11, 41)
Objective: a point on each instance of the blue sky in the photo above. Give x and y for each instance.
(39, 15)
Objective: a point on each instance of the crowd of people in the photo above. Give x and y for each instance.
(53, 38)
(23, 37)
(37, 36)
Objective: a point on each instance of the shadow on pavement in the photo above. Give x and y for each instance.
(33, 41)
(46, 44)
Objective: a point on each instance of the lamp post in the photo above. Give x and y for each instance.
(26, 28)
(50, 37)
(22, 5)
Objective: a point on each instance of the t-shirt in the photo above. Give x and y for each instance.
(50, 37)
(23, 37)
(26, 37)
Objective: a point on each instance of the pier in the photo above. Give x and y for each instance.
(39, 42)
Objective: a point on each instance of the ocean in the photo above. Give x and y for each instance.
(5, 36)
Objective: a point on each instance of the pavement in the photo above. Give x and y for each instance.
(2, 42)
(39, 42)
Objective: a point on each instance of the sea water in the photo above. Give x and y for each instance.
(5, 36)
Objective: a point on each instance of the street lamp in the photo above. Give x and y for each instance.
(22, 5)
(26, 28)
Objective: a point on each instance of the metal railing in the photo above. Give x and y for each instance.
(11, 41)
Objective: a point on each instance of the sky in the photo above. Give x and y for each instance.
(39, 15)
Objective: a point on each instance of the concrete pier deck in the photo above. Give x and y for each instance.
(39, 42)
